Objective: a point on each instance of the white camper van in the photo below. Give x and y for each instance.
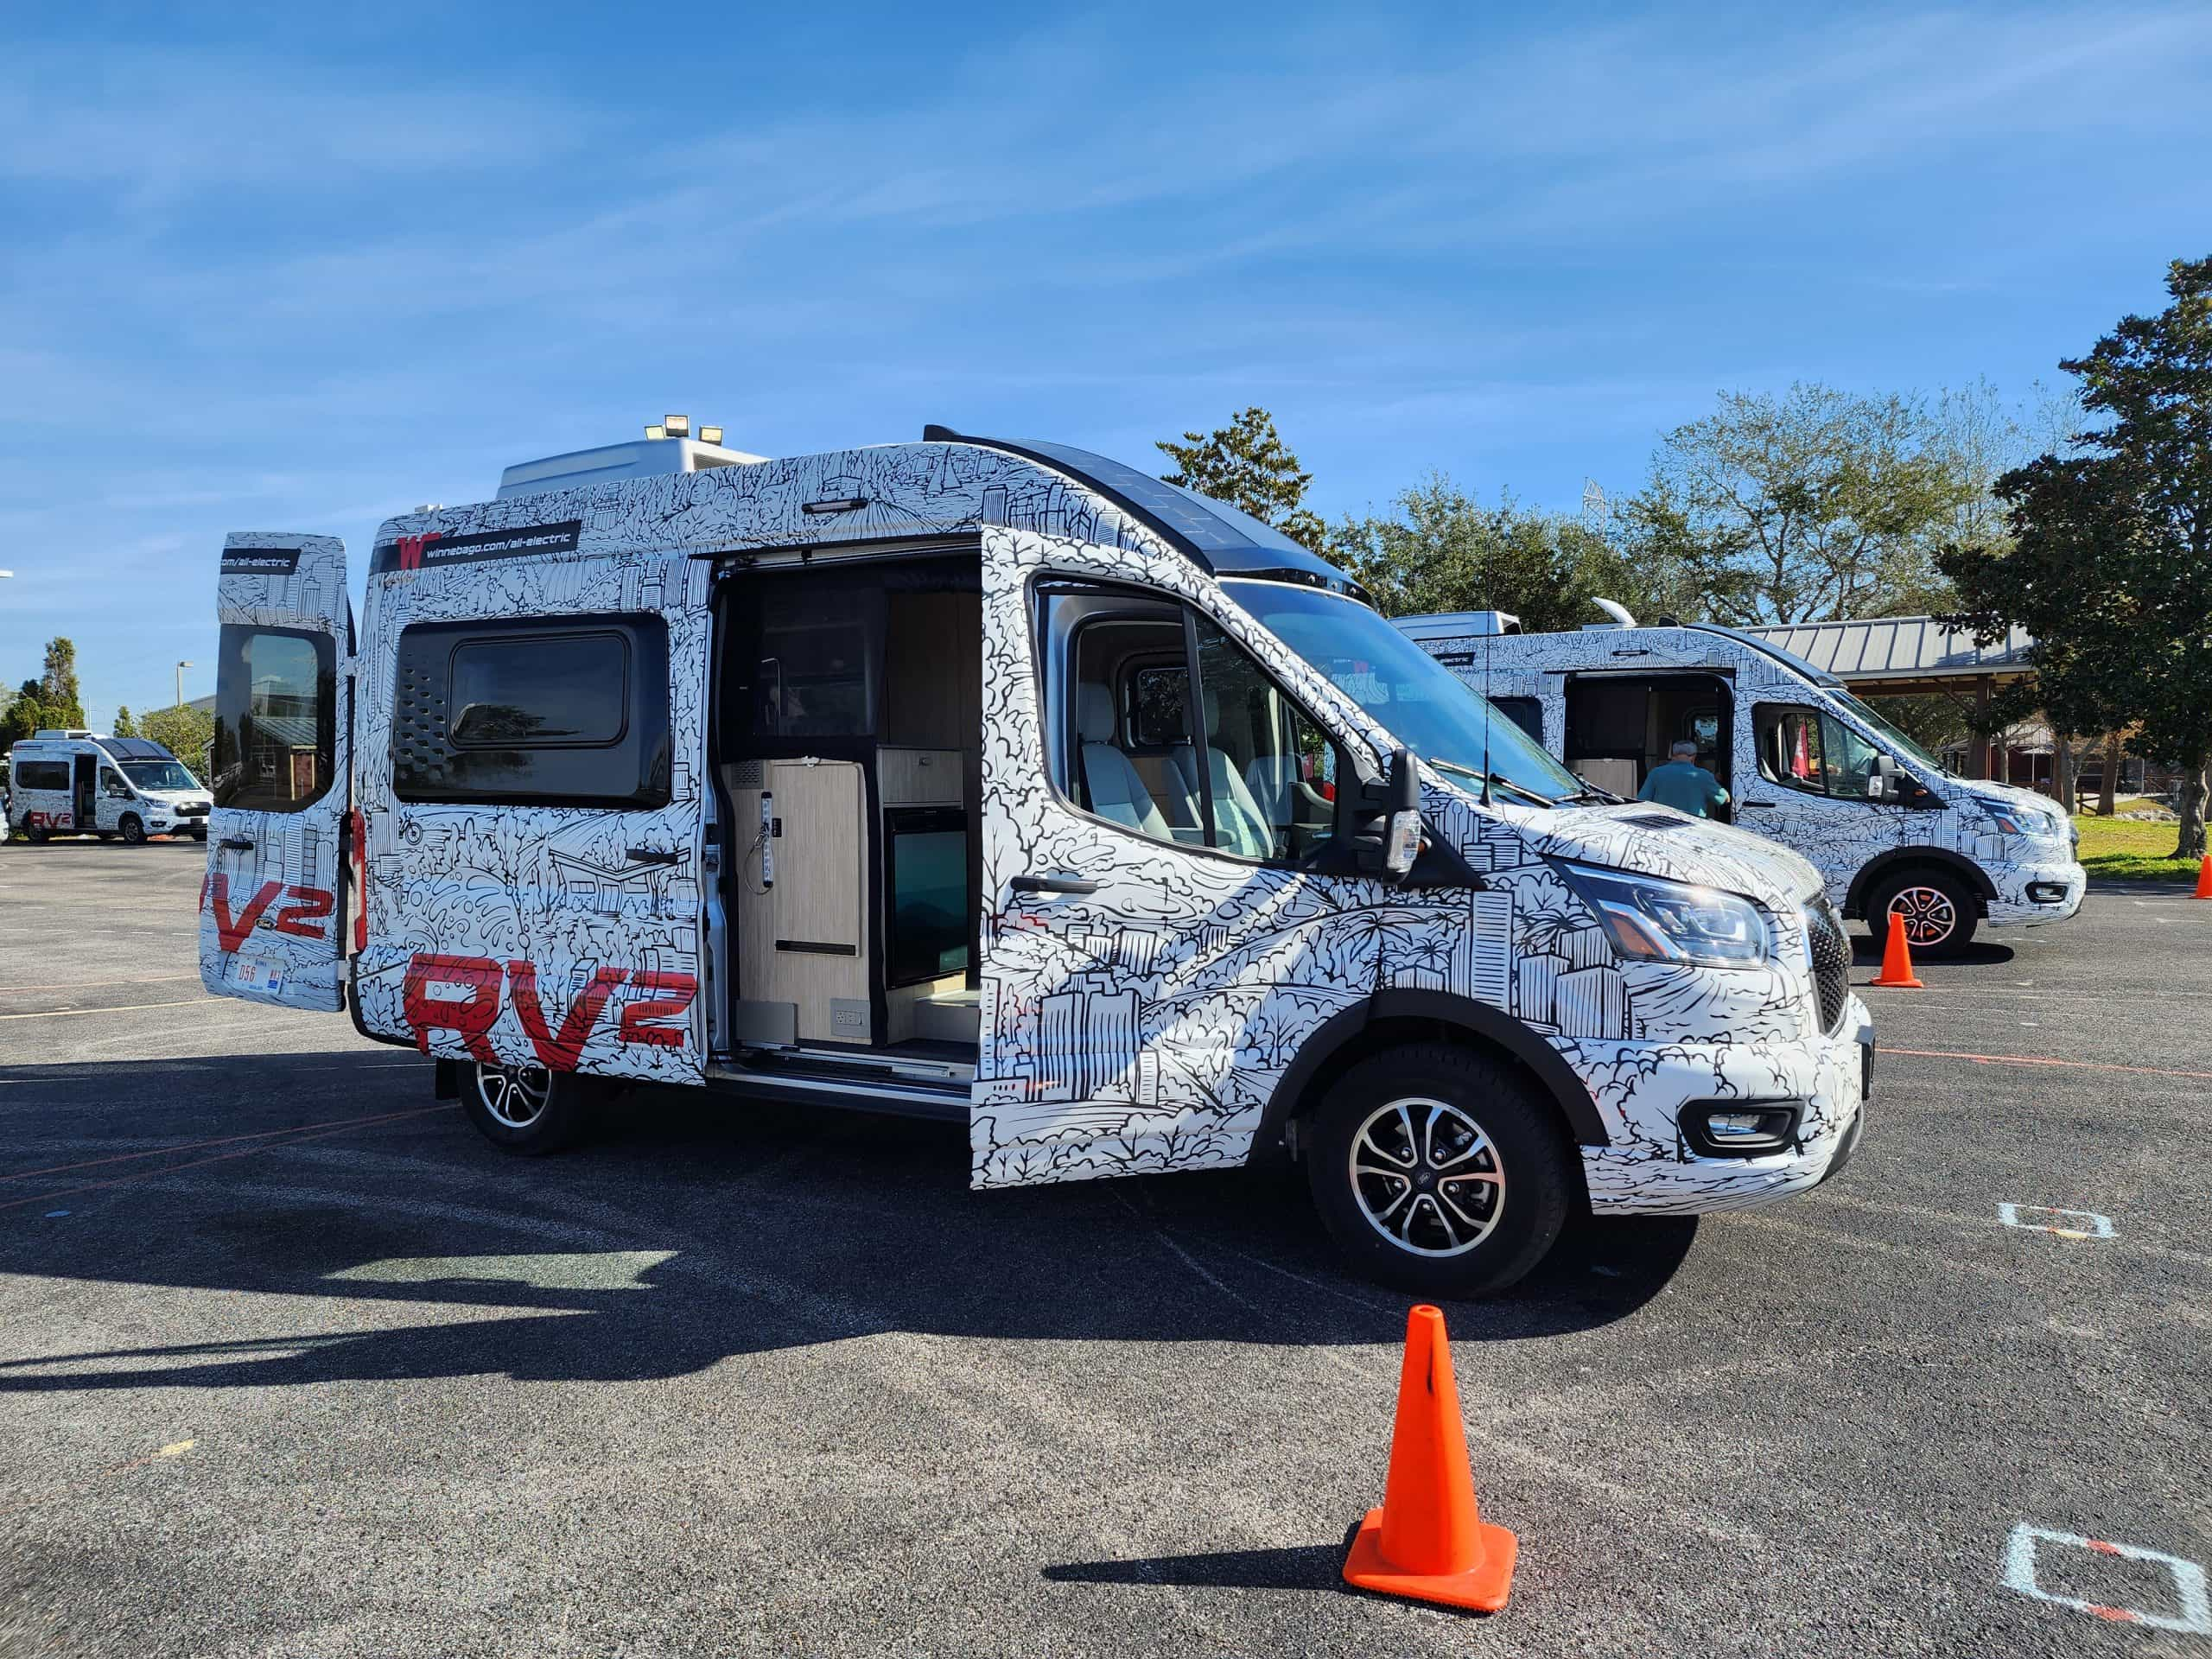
(1805, 762)
(72, 782)
(999, 782)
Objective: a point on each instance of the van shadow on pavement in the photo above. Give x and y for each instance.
(691, 1229)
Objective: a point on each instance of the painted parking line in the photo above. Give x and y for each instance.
(2044, 1059)
(214, 1157)
(2193, 1612)
(128, 1008)
(92, 984)
(2020, 1216)
(196, 1146)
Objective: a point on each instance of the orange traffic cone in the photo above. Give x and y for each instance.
(2204, 878)
(1428, 1541)
(1897, 961)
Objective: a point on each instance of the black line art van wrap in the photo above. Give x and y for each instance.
(1154, 1006)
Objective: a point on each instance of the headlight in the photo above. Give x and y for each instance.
(2012, 820)
(1651, 920)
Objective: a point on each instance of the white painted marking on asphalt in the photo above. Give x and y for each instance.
(2194, 1615)
(128, 1008)
(2012, 1215)
(585, 1270)
(55, 1215)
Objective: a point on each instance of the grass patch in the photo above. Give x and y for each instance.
(2120, 851)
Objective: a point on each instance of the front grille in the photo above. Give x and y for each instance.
(192, 809)
(1830, 948)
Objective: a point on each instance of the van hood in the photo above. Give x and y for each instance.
(1647, 840)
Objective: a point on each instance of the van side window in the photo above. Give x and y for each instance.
(1812, 750)
(1119, 707)
(1526, 713)
(275, 718)
(535, 710)
(42, 774)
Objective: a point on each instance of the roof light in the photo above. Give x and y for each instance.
(710, 434)
(656, 433)
(679, 426)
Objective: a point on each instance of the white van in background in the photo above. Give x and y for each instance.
(72, 782)
(998, 782)
(1805, 763)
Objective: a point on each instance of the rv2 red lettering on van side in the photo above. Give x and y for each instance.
(304, 907)
(679, 989)
(559, 1053)
(230, 930)
(471, 1018)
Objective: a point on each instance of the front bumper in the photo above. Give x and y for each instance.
(2029, 893)
(1649, 1170)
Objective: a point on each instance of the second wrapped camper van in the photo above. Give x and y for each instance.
(1805, 763)
(998, 782)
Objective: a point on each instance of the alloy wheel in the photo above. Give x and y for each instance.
(1426, 1177)
(515, 1096)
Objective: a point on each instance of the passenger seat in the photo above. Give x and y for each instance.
(1109, 782)
(1241, 827)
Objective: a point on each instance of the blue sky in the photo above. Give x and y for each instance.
(285, 268)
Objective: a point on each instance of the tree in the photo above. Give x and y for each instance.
(1442, 550)
(124, 725)
(2110, 565)
(1807, 507)
(1247, 464)
(24, 714)
(58, 685)
(184, 731)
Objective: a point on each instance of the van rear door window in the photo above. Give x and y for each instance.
(275, 707)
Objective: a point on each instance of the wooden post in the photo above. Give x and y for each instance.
(1982, 735)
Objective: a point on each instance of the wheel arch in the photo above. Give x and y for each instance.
(1902, 858)
(1390, 1018)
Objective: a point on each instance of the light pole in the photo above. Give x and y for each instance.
(180, 667)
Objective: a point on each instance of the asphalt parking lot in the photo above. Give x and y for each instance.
(293, 1363)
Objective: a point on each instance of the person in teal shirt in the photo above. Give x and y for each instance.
(1684, 785)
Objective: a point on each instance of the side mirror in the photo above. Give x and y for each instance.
(1401, 835)
(1883, 783)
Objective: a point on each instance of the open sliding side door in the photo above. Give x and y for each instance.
(271, 922)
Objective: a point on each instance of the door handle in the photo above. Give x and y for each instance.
(238, 843)
(1759, 804)
(654, 856)
(1051, 884)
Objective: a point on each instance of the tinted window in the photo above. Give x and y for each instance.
(42, 774)
(1526, 713)
(815, 677)
(536, 710)
(275, 702)
(1162, 705)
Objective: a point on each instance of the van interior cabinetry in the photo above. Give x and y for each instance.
(852, 703)
(802, 937)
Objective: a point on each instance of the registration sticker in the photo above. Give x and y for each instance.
(259, 974)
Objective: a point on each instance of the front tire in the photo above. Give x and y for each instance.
(1440, 1170)
(527, 1109)
(134, 832)
(1937, 911)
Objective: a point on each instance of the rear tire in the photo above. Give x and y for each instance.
(1938, 909)
(527, 1109)
(134, 832)
(1440, 1170)
(35, 836)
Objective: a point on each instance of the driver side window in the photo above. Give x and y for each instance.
(112, 785)
(1810, 749)
(1122, 704)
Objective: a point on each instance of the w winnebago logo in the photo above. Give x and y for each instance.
(410, 549)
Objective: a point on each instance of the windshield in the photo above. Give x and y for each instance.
(159, 774)
(1882, 728)
(1413, 696)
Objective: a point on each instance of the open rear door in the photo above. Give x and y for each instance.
(270, 918)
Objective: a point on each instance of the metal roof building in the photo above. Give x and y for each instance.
(1903, 654)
